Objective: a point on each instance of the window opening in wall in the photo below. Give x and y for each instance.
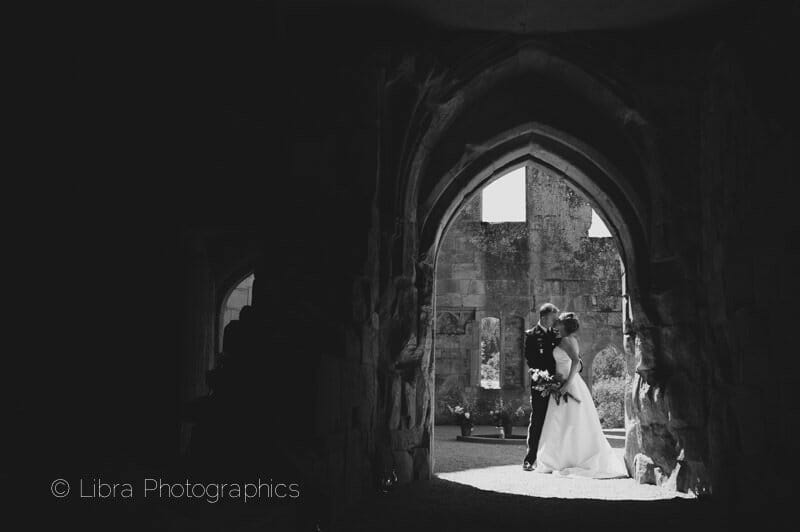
(598, 229)
(490, 353)
(240, 296)
(503, 200)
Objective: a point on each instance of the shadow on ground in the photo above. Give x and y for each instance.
(441, 505)
(484, 488)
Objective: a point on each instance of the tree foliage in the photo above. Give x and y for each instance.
(608, 364)
(490, 372)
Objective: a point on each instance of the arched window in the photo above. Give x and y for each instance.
(239, 297)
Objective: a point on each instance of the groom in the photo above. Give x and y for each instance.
(539, 344)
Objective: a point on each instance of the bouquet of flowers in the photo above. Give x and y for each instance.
(463, 418)
(460, 413)
(547, 384)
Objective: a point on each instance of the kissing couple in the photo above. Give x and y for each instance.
(565, 438)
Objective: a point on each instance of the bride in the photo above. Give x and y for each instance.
(572, 442)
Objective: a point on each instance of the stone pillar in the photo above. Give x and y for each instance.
(197, 342)
(511, 352)
(409, 375)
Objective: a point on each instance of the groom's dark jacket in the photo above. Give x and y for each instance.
(539, 345)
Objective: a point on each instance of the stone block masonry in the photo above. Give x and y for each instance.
(506, 270)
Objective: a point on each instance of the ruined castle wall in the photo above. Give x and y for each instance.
(506, 270)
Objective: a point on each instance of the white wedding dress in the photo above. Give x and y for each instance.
(572, 443)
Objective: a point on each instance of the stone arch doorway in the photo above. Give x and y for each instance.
(568, 159)
(524, 239)
(551, 258)
(588, 132)
(540, 146)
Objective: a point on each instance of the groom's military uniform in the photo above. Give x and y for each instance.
(539, 345)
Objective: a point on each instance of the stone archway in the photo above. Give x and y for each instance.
(615, 166)
(526, 145)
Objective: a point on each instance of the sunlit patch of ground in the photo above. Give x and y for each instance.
(481, 487)
(497, 467)
(512, 479)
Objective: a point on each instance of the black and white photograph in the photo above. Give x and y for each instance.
(405, 266)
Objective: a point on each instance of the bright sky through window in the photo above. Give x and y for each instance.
(504, 199)
(598, 229)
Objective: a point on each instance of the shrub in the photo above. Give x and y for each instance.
(490, 372)
(445, 405)
(609, 363)
(609, 396)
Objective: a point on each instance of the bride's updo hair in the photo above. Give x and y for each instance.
(570, 321)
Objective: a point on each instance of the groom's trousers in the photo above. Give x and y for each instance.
(538, 411)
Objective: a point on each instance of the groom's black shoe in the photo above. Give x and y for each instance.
(527, 466)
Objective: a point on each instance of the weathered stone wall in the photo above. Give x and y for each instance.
(705, 392)
(705, 151)
(507, 270)
(698, 123)
(351, 139)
